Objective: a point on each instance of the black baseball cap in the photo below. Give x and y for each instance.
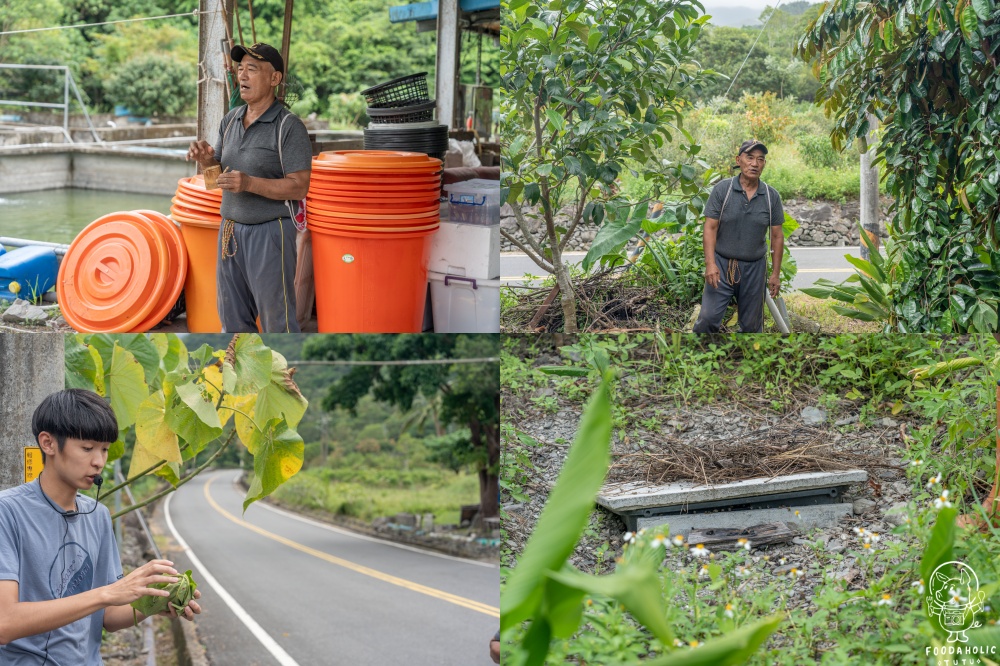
(747, 146)
(260, 51)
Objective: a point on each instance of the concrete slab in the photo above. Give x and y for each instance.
(820, 515)
(635, 495)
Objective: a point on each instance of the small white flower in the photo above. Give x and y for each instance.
(729, 610)
(782, 561)
(796, 573)
(678, 642)
(942, 501)
(933, 481)
(875, 537)
(986, 609)
(798, 515)
(703, 572)
(742, 572)
(860, 531)
(919, 585)
(642, 531)
(657, 542)
(699, 551)
(956, 598)
(628, 538)
(743, 543)
(916, 463)
(678, 540)
(886, 600)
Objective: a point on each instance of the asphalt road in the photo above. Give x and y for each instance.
(281, 589)
(813, 262)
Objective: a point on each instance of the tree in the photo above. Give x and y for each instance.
(594, 87)
(469, 392)
(927, 71)
(172, 405)
(153, 85)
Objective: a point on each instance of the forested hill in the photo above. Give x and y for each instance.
(339, 47)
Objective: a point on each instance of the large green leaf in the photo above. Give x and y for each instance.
(280, 397)
(277, 457)
(84, 367)
(173, 353)
(731, 650)
(635, 586)
(126, 386)
(613, 236)
(247, 368)
(939, 548)
(565, 514)
(192, 416)
(154, 440)
(139, 346)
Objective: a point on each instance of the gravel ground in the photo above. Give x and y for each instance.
(835, 549)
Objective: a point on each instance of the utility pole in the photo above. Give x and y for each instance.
(31, 367)
(214, 29)
(449, 43)
(869, 192)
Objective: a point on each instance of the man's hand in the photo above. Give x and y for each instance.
(495, 651)
(234, 181)
(190, 610)
(202, 153)
(137, 584)
(712, 275)
(774, 284)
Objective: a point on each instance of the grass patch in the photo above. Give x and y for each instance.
(434, 491)
(821, 311)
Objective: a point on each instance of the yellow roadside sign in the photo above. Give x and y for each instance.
(32, 463)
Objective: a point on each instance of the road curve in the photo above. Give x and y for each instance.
(282, 590)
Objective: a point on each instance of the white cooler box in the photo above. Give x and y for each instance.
(464, 304)
(470, 250)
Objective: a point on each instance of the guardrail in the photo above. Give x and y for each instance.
(68, 83)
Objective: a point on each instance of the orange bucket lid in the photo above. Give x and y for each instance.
(376, 160)
(367, 208)
(371, 216)
(374, 236)
(381, 231)
(194, 206)
(194, 221)
(177, 269)
(113, 274)
(372, 224)
(378, 199)
(331, 179)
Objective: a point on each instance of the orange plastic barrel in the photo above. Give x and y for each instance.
(370, 283)
(197, 211)
(201, 239)
(116, 274)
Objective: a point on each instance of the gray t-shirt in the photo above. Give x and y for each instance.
(51, 556)
(254, 151)
(744, 224)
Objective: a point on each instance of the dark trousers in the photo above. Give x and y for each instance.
(256, 277)
(749, 293)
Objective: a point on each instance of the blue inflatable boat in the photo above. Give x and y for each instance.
(35, 268)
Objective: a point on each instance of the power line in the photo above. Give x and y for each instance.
(425, 361)
(92, 25)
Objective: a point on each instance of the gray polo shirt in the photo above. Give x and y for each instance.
(254, 151)
(744, 224)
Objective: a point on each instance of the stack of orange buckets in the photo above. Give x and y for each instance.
(372, 214)
(197, 211)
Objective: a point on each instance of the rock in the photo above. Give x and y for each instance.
(813, 415)
(848, 575)
(57, 323)
(896, 514)
(901, 487)
(835, 546)
(863, 506)
(801, 542)
(890, 423)
(23, 312)
(782, 571)
(847, 420)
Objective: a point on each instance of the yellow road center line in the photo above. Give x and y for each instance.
(357, 568)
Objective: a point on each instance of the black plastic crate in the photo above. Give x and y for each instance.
(401, 92)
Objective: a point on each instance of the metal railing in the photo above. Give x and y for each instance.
(68, 83)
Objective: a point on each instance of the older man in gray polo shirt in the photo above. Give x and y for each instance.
(740, 212)
(267, 158)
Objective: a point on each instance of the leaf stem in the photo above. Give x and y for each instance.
(180, 483)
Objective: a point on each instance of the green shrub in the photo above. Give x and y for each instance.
(818, 152)
(153, 85)
(347, 110)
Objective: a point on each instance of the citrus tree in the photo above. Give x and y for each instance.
(593, 88)
(173, 404)
(927, 70)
